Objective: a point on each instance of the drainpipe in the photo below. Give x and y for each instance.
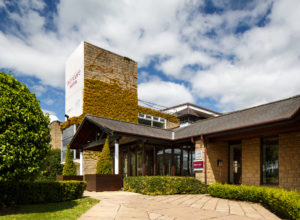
(205, 160)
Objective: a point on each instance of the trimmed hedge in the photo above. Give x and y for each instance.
(163, 185)
(12, 193)
(282, 202)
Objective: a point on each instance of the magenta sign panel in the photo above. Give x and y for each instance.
(198, 164)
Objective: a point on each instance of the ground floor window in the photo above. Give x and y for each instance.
(269, 167)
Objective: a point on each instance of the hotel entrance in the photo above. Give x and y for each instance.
(235, 163)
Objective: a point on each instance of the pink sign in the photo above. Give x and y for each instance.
(198, 164)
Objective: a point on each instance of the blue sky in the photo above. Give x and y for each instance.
(223, 55)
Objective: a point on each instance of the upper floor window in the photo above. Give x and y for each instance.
(152, 121)
(269, 166)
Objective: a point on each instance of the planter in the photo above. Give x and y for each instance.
(105, 182)
(64, 178)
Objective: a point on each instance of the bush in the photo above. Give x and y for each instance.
(12, 193)
(51, 166)
(24, 131)
(282, 202)
(104, 163)
(69, 166)
(164, 185)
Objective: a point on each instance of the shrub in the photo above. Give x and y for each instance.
(164, 185)
(40, 191)
(51, 166)
(69, 166)
(282, 202)
(104, 163)
(24, 131)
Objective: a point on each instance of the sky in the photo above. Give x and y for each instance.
(223, 55)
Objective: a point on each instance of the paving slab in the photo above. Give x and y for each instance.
(121, 205)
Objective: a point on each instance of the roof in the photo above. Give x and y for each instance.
(130, 128)
(186, 111)
(191, 104)
(258, 115)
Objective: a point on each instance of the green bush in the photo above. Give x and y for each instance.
(12, 193)
(69, 166)
(164, 185)
(282, 202)
(24, 131)
(104, 163)
(51, 166)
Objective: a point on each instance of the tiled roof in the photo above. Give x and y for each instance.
(263, 114)
(131, 128)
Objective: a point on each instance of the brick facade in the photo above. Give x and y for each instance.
(251, 161)
(107, 66)
(55, 134)
(289, 160)
(215, 151)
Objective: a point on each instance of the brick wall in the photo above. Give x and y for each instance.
(104, 65)
(55, 133)
(251, 161)
(215, 151)
(289, 160)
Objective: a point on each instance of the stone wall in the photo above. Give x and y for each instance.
(89, 164)
(251, 161)
(289, 160)
(170, 125)
(215, 151)
(55, 134)
(107, 66)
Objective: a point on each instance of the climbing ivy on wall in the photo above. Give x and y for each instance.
(110, 100)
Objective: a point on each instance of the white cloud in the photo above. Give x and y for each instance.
(164, 93)
(49, 101)
(236, 70)
(52, 115)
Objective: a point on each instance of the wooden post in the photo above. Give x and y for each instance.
(164, 161)
(154, 161)
(136, 168)
(181, 161)
(128, 162)
(143, 160)
(172, 162)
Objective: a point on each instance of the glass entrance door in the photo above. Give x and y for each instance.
(235, 163)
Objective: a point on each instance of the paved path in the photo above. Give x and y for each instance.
(126, 205)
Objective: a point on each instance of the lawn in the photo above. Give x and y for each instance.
(62, 210)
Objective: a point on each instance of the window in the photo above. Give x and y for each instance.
(269, 166)
(152, 121)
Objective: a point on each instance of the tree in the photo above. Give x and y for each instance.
(69, 166)
(104, 163)
(51, 166)
(24, 131)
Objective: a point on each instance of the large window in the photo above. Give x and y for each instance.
(269, 167)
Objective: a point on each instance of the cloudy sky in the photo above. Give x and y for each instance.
(224, 55)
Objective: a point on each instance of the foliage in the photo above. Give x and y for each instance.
(63, 210)
(164, 185)
(24, 131)
(12, 192)
(51, 166)
(104, 163)
(69, 166)
(110, 100)
(282, 202)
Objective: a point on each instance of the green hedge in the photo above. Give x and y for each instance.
(282, 202)
(164, 185)
(40, 192)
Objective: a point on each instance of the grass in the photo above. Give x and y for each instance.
(62, 210)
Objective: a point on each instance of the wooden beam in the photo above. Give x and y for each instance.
(143, 160)
(98, 142)
(154, 161)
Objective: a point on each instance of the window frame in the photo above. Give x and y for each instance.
(261, 161)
